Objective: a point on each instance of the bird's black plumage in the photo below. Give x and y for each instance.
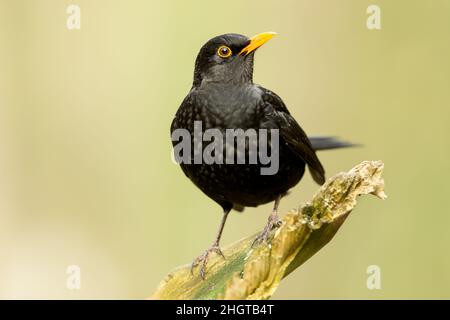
(223, 96)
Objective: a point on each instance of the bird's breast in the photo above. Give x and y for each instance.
(228, 107)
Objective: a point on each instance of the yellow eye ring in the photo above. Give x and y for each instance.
(224, 52)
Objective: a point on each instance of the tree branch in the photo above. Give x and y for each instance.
(255, 273)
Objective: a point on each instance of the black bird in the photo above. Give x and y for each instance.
(223, 96)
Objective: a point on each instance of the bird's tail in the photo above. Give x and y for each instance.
(327, 143)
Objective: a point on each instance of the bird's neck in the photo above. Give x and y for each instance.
(223, 86)
(241, 76)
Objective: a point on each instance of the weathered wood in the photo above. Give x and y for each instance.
(255, 273)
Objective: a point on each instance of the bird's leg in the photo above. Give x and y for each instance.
(203, 259)
(272, 223)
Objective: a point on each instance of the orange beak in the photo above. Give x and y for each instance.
(257, 41)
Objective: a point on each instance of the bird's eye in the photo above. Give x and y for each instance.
(224, 52)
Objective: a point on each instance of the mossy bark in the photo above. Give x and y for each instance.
(255, 273)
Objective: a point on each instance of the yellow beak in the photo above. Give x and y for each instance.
(257, 41)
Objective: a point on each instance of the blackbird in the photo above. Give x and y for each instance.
(223, 96)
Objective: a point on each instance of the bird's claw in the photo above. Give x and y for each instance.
(273, 223)
(203, 259)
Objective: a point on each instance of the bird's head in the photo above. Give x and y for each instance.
(228, 58)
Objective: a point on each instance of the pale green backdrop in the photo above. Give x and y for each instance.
(85, 171)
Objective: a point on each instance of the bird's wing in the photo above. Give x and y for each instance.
(275, 111)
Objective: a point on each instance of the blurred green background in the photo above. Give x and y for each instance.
(85, 171)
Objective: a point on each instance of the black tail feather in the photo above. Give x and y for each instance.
(327, 143)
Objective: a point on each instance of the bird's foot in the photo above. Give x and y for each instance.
(273, 222)
(202, 260)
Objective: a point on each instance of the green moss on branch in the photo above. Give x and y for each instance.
(255, 273)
